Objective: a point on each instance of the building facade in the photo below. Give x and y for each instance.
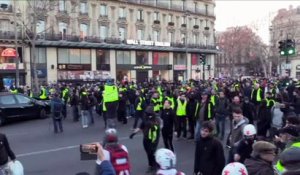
(135, 40)
(285, 25)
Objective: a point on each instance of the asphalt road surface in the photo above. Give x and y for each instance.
(44, 153)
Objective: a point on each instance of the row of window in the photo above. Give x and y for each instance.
(140, 33)
(83, 56)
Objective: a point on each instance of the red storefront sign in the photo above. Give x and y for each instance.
(9, 52)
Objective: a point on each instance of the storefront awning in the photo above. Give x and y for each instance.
(9, 52)
(122, 47)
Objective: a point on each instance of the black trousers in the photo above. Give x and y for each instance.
(122, 116)
(181, 126)
(150, 149)
(138, 115)
(168, 139)
(192, 124)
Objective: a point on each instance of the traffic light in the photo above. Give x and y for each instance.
(287, 47)
(208, 67)
(203, 59)
(290, 47)
(282, 47)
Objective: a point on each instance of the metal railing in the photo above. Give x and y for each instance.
(6, 8)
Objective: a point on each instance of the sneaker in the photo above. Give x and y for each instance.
(84, 126)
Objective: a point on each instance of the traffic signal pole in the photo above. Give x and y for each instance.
(203, 72)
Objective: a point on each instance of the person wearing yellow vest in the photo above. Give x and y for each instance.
(256, 95)
(111, 101)
(169, 97)
(270, 101)
(151, 133)
(14, 90)
(65, 95)
(155, 102)
(181, 113)
(289, 135)
(204, 112)
(43, 94)
(139, 108)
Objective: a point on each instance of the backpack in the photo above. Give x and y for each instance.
(118, 158)
(57, 109)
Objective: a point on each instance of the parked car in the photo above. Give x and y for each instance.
(21, 106)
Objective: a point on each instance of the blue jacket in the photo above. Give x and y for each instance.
(105, 168)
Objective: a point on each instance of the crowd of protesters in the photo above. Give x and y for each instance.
(262, 117)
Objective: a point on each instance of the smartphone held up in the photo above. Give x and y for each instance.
(88, 151)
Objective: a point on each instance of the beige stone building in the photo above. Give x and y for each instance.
(286, 24)
(80, 40)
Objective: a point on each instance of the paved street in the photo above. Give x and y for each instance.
(44, 153)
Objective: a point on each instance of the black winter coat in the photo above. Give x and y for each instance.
(209, 157)
(5, 150)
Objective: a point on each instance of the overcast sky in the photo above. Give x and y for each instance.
(256, 13)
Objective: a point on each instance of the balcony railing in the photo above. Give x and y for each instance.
(156, 22)
(171, 24)
(9, 35)
(83, 13)
(6, 8)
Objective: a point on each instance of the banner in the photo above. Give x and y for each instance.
(83, 75)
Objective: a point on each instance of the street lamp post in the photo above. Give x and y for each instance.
(16, 46)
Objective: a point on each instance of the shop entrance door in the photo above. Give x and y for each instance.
(141, 76)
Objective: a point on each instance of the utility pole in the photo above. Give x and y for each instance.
(16, 45)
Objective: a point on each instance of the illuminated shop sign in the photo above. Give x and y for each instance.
(148, 43)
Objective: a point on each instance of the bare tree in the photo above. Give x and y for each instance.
(238, 46)
(31, 12)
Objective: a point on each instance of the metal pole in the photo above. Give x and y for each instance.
(16, 46)
(203, 67)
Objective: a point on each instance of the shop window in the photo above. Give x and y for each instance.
(141, 58)
(103, 57)
(85, 56)
(74, 56)
(40, 55)
(123, 57)
(160, 58)
(63, 56)
(180, 59)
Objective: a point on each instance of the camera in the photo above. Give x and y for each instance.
(88, 151)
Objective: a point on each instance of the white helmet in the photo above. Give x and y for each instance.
(165, 158)
(235, 168)
(249, 130)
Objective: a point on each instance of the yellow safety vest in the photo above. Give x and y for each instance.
(181, 108)
(110, 94)
(15, 91)
(279, 165)
(171, 99)
(152, 134)
(269, 102)
(213, 100)
(208, 112)
(43, 96)
(258, 97)
(156, 105)
(139, 106)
